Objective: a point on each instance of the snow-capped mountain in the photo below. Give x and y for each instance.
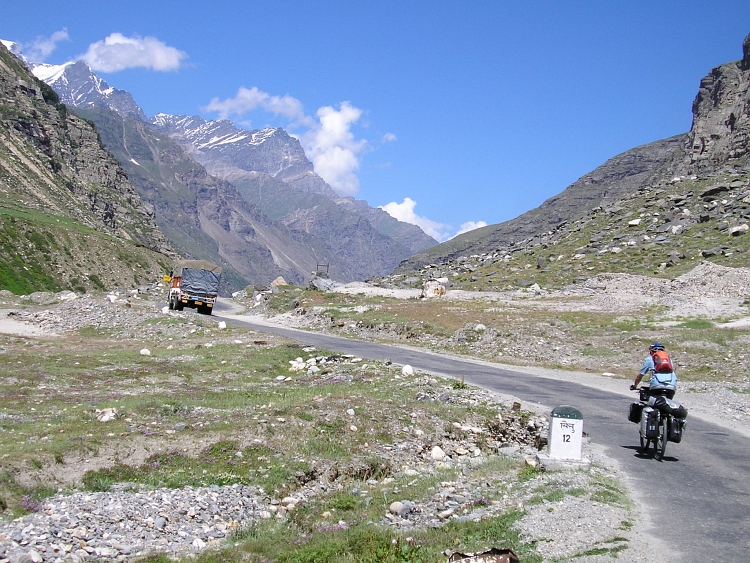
(227, 151)
(14, 48)
(78, 86)
(250, 200)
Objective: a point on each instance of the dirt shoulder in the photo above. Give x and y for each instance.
(8, 325)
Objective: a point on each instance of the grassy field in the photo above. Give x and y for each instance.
(217, 407)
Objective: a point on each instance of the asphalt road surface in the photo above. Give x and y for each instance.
(700, 492)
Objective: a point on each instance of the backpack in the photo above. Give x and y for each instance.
(662, 362)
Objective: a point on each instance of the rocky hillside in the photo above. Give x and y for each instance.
(716, 144)
(69, 218)
(662, 229)
(270, 169)
(207, 217)
(249, 200)
(606, 184)
(202, 216)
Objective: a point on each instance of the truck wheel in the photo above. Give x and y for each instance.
(171, 303)
(178, 305)
(203, 310)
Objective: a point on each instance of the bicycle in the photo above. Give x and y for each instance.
(656, 427)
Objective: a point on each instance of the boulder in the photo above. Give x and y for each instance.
(431, 289)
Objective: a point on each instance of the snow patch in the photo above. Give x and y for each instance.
(49, 73)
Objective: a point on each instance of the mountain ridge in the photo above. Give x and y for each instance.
(352, 239)
(69, 217)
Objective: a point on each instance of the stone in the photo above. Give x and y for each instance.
(407, 370)
(714, 191)
(145, 352)
(437, 454)
(739, 230)
(432, 289)
(395, 507)
(445, 514)
(406, 508)
(106, 415)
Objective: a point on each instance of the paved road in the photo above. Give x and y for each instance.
(700, 492)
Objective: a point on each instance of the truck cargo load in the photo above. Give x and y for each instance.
(195, 284)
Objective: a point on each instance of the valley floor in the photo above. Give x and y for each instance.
(534, 316)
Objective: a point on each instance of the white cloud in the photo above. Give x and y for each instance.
(439, 231)
(117, 52)
(333, 149)
(470, 226)
(389, 138)
(249, 99)
(42, 47)
(405, 212)
(328, 140)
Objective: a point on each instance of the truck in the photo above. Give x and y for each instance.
(194, 284)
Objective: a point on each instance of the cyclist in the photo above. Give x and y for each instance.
(663, 379)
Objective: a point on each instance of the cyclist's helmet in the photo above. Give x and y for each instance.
(656, 346)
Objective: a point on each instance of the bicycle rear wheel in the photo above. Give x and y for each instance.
(660, 444)
(644, 444)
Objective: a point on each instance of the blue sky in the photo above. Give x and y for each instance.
(448, 113)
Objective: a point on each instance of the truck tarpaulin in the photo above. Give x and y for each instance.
(199, 275)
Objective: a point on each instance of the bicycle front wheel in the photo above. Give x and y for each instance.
(661, 440)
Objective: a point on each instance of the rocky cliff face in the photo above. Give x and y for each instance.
(720, 135)
(52, 165)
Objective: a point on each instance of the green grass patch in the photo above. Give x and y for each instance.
(221, 463)
(697, 324)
